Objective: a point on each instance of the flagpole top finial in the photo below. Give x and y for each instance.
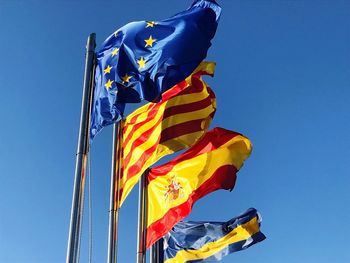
(91, 42)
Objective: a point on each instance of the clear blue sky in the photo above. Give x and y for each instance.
(282, 79)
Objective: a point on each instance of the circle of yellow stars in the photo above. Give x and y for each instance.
(141, 61)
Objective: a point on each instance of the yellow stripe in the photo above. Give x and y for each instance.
(137, 152)
(128, 185)
(208, 67)
(162, 150)
(154, 136)
(238, 234)
(139, 111)
(179, 143)
(147, 124)
(187, 116)
(178, 100)
(171, 145)
(191, 174)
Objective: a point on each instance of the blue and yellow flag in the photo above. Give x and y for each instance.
(143, 59)
(211, 241)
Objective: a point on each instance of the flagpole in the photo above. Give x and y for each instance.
(160, 251)
(153, 254)
(142, 216)
(73, 249)
(114, 192)
(157, 253)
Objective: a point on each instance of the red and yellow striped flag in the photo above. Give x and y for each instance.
(207, 166)
(162, 128)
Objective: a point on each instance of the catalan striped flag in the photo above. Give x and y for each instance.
(209, 165)
(211, 241)
(162, 128)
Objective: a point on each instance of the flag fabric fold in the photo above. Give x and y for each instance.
(209, 165)
(211, 241)
(159, 129)
(143, 59)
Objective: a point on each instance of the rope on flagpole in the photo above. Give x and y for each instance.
(142, 219)
(90, 206)
(116, 174)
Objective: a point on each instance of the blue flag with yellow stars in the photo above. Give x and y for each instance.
(143, 59)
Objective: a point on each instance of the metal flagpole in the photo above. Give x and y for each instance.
(73, 248)
(114, 192)
(160, 251)
(142, 216)
(156, 254)
(153, 254)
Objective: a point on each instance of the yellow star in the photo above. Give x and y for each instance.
(149, 41)
(115, 52)
(141, 62)
(150, 24)
(108, 85)
(126, 78)
(107, 70)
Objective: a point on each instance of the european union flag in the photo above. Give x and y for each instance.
(143, 59)
(211, 241)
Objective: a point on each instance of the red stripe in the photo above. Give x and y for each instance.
(195, 77)
(189, 107)
(179, 87)
(153, 109)
(166, 96)
(135, 126)
(173, 132)
(134, 119)
(223, 178)
(202, 72)
(181, 129)
(168, 112)
(174, 90)
(210, 141)
(140, 140)
(177, 109)
(136, 168)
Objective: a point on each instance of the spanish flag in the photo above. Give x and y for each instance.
(207, 166)
(159, 129)
(211, 241)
